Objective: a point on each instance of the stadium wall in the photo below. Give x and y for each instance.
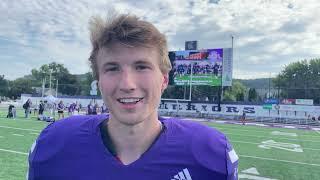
(285, 111)
(196, 109)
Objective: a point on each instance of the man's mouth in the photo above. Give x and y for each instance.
(129, 100)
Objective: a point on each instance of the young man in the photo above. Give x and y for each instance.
(90, 108)
(26, 107)
(130, 61)
(60, 109)
(243, 118)
(104, 108)
(41, 108)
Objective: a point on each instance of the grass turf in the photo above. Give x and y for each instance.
(17, 136)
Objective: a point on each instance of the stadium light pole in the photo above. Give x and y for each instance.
(184, 91)
(191, 81)
(43, 86)
(57, 89)
(50, 81)
(269, 95)
(232, 37)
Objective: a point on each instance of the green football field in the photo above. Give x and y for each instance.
(265, 153)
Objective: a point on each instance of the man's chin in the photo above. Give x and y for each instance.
(129, 120)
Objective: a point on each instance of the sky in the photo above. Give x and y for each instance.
(268, 34)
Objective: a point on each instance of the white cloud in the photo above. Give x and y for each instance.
(268, 33)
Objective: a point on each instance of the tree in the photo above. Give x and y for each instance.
(300, 80)
(4, 85)
(85, 84)
(174, 92)
(252, 95)
(20, 86)
(67, 83)
(235, 93)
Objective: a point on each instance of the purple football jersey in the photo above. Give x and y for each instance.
(73, 149)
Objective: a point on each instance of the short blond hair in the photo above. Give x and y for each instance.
(129, 30)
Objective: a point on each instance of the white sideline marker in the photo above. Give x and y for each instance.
(262, 125)
(316, 130)
(269, 144)
(18, 135)
(220, 122)
(247, 176)
(284, 133)
(289, 127)
(252, 173)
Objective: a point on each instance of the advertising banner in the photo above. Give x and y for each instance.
(304, 102)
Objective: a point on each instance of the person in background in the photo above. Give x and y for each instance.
(41, 108)
(95, 109)
(26, 107)
(104, 108)
(11, 111)
(243, 118)
(80, 107)
(71, 108)
(60, 108)
(77, 107)
(90, 108)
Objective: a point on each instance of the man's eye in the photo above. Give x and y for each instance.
(142, 67)
(111, 69)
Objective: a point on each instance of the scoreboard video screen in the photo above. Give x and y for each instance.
(201, 67)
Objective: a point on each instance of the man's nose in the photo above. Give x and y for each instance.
(127, 81)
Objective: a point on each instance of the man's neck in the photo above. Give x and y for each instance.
(131, 141)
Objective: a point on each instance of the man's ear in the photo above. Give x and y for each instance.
(165, 82)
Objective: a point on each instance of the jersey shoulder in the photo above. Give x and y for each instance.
(57, 135)
(209, 147)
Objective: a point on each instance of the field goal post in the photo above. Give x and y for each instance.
(176, 101)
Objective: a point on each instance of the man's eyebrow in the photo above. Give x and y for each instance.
(110, 64)
(143, 62)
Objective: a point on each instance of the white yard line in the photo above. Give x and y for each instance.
(11, 151)
(34, 133)
(318, 131)
(279, 160)
(275, 137)
(20, 128)
(24, 120)
(18, 135)
(245, 142)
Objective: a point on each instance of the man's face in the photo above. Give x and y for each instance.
(131, 82)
